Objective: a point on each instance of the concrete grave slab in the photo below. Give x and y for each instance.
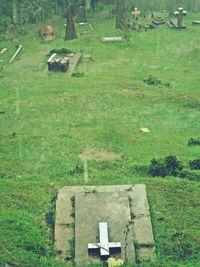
(115, 39)
(103, 203)
(112, 208)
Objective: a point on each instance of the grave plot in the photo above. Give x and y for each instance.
(63, 60)
(156, 22)
(99, 223)
(178, 23)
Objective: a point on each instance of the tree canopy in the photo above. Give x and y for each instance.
(26, 11)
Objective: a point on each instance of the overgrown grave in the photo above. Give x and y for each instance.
(63, 60)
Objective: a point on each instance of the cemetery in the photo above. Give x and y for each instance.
(99, 133)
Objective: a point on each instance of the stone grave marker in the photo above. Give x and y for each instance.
(107, 220)
(179, 14)
(46, 32)
(81, 15)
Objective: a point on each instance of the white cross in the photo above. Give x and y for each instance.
(104, 245)
(135, 13)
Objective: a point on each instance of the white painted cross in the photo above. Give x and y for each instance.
(104, 245)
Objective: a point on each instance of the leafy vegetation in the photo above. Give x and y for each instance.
(48, 119)
(168, 166)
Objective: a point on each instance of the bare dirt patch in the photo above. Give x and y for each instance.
(94, 154)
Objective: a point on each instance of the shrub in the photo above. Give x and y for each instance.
(162, 167)
(194, 141)
(194, 164)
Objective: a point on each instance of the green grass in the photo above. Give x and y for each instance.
(50, 118)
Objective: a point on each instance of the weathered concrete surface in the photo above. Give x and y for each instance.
(92, 208)
(146, 254)
(139, 209)
(142, 227)
(73, 62)
(62, 233)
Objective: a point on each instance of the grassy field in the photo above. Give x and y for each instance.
(48, 119)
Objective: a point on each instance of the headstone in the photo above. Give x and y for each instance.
(81, 15)
(179, 14)
(47, 32)
(70, 28)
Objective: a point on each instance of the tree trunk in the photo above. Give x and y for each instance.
(70, 28)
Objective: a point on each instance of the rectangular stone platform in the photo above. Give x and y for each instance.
(118, 206)
(92, 208)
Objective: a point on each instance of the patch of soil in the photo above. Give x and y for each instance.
(93, 154)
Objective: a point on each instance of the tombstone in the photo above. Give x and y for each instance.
(46, 32)
(81, 15)
(179, 14)
(135, 13)
(70, 27)
(107, 221)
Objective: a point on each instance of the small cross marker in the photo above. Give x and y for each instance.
(135, 13)
(104, 246)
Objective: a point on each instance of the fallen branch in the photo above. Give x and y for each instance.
(16, 53)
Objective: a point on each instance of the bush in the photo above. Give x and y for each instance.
(194, 164)
(194, 141)
(168, 166)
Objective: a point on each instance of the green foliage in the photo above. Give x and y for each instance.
(154, 81)
(194, 141)
(78, 74)
(61, 51)
(194, 164)
(22, 228)
(168, 166)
